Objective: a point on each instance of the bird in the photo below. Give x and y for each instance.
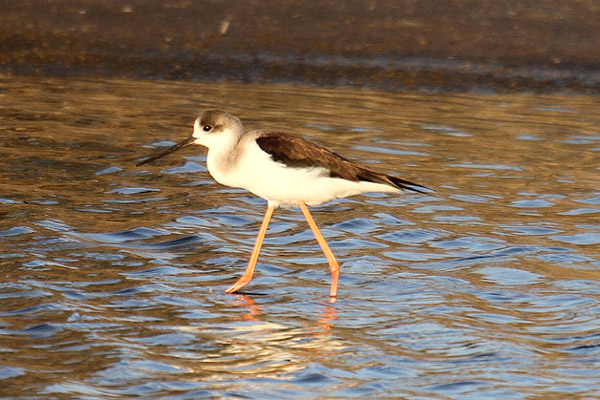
(287, 171)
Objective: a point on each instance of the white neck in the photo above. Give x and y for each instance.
(222, 156)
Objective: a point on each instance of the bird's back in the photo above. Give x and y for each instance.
(296, 152)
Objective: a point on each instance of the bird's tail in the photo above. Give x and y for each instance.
(407, 185)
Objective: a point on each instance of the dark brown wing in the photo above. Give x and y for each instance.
(294, 151)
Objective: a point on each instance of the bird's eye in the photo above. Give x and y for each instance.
(207, 128)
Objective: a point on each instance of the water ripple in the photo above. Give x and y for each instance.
(114, 275)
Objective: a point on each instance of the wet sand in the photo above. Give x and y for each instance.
(542, 46)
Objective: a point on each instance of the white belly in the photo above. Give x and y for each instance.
(254, 170)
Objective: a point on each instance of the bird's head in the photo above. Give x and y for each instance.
(212, 129)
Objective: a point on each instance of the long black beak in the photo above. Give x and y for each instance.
(170, 150)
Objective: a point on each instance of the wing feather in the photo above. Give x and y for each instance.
(297, 152)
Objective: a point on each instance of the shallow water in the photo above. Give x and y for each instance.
(113, 275)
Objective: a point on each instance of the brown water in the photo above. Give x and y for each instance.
(113, 275)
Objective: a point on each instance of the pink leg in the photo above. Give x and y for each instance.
(247, 277)
(334, 266)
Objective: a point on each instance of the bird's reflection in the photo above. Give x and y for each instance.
(328, 315)
(248, 303)
(324, 323)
